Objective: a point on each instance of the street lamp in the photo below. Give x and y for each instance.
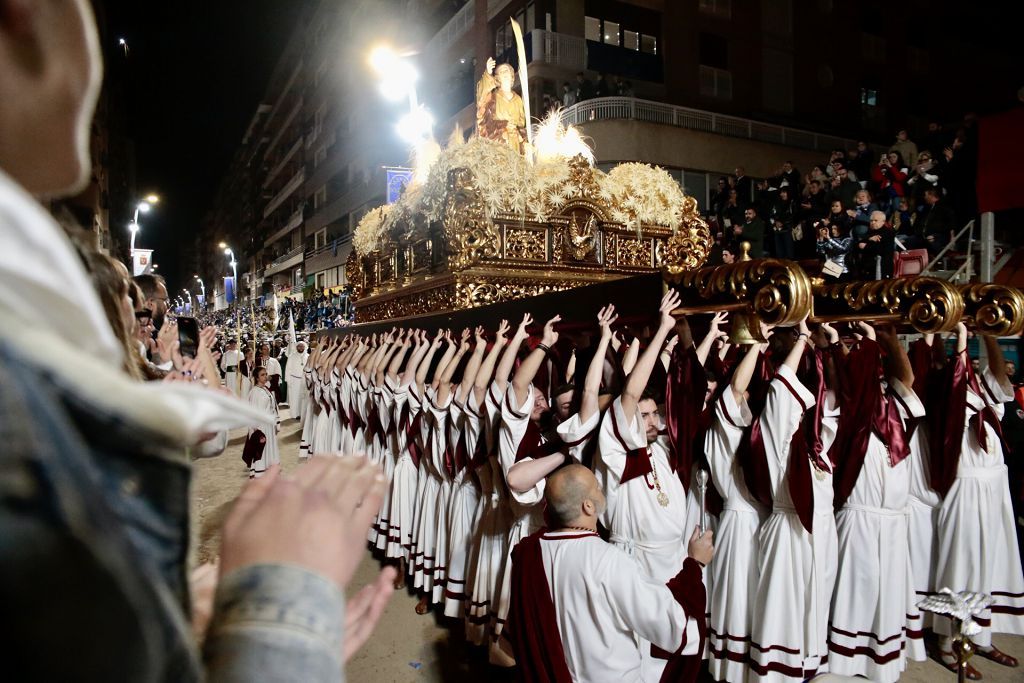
(203, 287)
(398, 79)
(142, 207)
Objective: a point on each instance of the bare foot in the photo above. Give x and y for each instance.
(423, 606)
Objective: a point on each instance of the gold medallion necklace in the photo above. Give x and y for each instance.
(662, 496)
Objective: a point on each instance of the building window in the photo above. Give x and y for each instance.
(318, 120)
(718, 8)
(611, 33)
(320, 157)
(321, 280)
(869, 97)
(715, 82)
(320, 238)
(630, 40)
(592, 29)
(320, 197)
(714, 51)
(649, 44)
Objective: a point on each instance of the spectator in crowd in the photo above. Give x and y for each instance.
(728, 255)
(814, 203)
(584, 88)
(924, 175)
(817, 173)
(568, 95)
(905, 146)
(859, 162)
(860, 214)
(902, 217)
(842, 186)
(890, 177)
(833, 244)
(935, 140)
(625, 88)
(744, 185)
(602, 88)
(732, 212)
(877, 248)
(789, 177)
(783, 219)
(838, 218)
(154, 291)
(751, 230)
(836, 159)
(719, 197)
(936, 224)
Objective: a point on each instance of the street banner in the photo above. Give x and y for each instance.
(229, 289)
(142, 262)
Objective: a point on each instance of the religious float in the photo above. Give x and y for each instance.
(499, 224)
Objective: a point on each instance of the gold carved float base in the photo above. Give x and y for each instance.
(470, 288)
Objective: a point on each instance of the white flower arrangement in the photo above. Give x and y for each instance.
(371, 228)
(643, 194)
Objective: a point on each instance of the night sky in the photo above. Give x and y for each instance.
(193, 77)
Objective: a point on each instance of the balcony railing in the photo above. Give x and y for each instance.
(456, 27)
(292, 185)
(294, 221)
(558, 49)
(609, 108)
(293, 257)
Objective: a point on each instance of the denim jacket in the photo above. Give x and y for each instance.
(93, 544)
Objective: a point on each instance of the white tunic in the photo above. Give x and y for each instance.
(874, 587)
(403, 482)
(640, 526)
(977, 542)
(796, 569)
(733, 569)
(263, 399)
(603, 601)
(230, 359)
(462, 506)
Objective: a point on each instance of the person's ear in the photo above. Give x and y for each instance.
(588, 507)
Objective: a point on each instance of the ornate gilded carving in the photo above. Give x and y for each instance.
(526, 244)
(470, 234)
(354, 274)
(994, 309)
(927, 304)
(584, 184)
(689, 246)
(777, 292)
(634, 251)
(580, 235)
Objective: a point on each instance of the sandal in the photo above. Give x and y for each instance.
(998, 656)
(947, 660)
(422, 607)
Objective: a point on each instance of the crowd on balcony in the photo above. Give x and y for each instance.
(854, 206)
(584, 89)
(318, 312)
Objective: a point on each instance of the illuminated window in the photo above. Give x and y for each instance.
(630, 40)
(649, 44)
(869, 97)
(611, 33)
(592, 29)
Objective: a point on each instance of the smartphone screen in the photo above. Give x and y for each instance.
(188, 337)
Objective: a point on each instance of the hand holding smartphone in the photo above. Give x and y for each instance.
(188, 337)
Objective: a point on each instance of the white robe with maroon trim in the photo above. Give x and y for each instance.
(423, 481)
(385, 398)
(922, 518)
(463, 418)
(977, 542)
(656, 536)
(426, 499)
(440, 417)
(796, 569)
(495, 520)
(321, 441)
(733, 570)
(578, 435)
(263, 399)
(527, 512)
(604, 602)
(873, 594)
(403, 482)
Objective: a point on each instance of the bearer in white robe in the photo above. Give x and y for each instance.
(262, 398)
(874, 584)
(575, 591)
(647, 504)
(796, 568)
(977, 543)
(733, 571)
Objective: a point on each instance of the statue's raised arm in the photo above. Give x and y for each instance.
(500, 115)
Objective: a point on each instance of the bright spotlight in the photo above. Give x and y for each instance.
(133, 226)
(144, 207)
(398, 80)
(153, 199)
(382, 58)
(415, 126)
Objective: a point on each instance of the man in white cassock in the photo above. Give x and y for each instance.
(578, 603)
(295, 378)
(229, 366)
